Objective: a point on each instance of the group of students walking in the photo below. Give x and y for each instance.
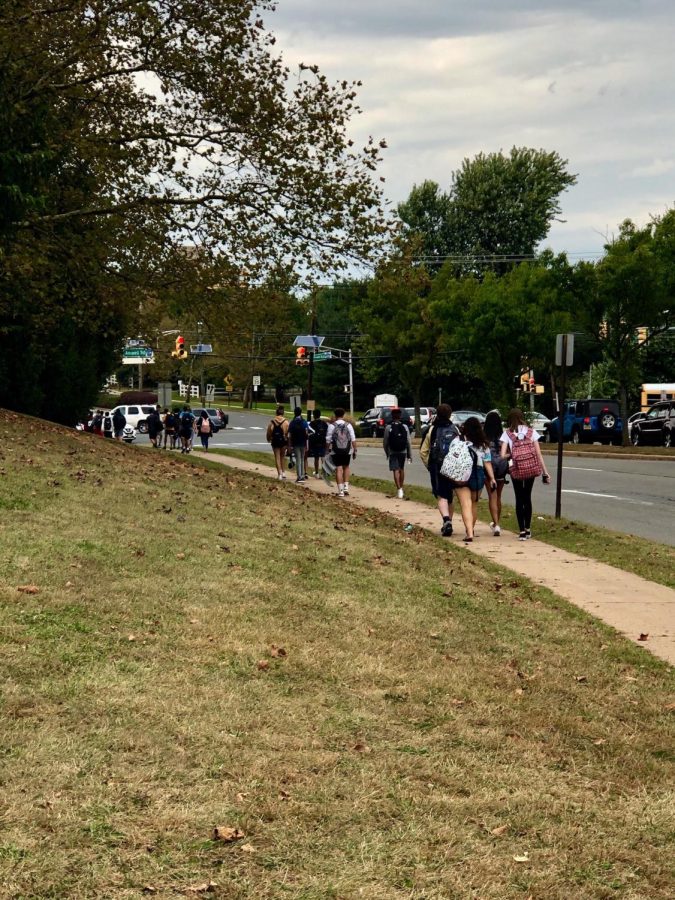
(330, 446)
(461, 463)
(461, 460)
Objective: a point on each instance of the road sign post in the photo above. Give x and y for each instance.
(564, 357)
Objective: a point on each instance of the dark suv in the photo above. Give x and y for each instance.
(657, 426)
(376, 420)
(586, 421)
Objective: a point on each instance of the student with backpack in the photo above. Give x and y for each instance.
(297, 439)
(433, 451)
(341, 440)
(397, 447)
(469, 475)
(204, 429)
(277, 436)
(186, 422)
(520, 444)
(493, 429)
(316, 440)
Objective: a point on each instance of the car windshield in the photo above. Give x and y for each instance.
(212, 412)
(596, 407)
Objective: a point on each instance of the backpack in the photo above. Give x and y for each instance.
(524, 456)
(317, 433)
(398, 437)
(342, 443)
(459, 462)
(442, 437)
(278, 438)
(205, 426)
(297, 431)
(119, 420)
(186, 421)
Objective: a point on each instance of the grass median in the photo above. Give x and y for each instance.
(648, 559)
(356, 710)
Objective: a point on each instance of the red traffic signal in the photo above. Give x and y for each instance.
(301, 357)
(180, 352)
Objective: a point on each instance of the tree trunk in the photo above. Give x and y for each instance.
(623, 409)
(416, 404)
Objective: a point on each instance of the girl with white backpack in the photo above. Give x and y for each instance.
(469, 465)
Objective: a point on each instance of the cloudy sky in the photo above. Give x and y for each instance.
(446, 79)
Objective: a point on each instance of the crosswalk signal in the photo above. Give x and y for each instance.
(180, 352)
(525, 382)
(301, 356)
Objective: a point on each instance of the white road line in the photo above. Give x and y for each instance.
(580, 469)
(256, 427)
(237, 428)
(607, 497)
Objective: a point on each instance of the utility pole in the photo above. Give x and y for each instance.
(350, 363)
(310, 369)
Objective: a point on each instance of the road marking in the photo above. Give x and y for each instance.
(607, 497)
(580, 469)
(237, 428)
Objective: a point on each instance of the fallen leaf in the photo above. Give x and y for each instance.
(149, 889)
(360, 747)
(371, 632)
(342, 558)
(241, 797)
(263, 664)
(277, 652)
(599, 742)
(456, 702)
(284, 795)
(69, 583)
(132, 637)
(247, 848)
(204, 888)
(523, 858)
(294, 547)
(227, 834)
(643, 637)
(500, 830)
(582, 679)
(180, 556)
(28, 589)
(670, 707)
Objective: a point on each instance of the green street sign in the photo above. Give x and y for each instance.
(322, 354)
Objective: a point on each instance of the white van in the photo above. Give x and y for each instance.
(136, 415)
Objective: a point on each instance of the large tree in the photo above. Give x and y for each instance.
(498, 209)
(132, 127)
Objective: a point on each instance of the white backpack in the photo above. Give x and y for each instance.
(459, 462)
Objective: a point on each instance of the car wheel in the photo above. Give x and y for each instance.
(667, 437)
(576, 436)
(607, 421)
(635, 437)
(142, 427)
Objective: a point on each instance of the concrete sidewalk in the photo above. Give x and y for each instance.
(633, 605)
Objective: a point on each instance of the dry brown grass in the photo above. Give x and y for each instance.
(432, 722)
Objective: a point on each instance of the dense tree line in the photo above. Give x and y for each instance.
(136, 136)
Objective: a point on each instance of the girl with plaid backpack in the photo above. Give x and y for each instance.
(520, 444)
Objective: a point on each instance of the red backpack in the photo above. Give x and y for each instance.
(524, 455)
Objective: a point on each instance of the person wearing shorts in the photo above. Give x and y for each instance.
(316, 441)
(340, 432)
(397, 447)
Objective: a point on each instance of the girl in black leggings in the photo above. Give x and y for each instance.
(517, 428)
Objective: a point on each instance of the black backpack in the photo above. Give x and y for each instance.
(441, 439)
(297, 431)
(398, 437)
(278, 436)
(317, 434)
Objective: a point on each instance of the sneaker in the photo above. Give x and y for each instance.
(446, 529)
(492, 527)
(399, 493)
(280, 477)
(467, 539)
(496, 531)
(305, 477)
(299, 480)
(528, 534)
(317, 474)
(522, 536)
(346, 492)
(341, 493)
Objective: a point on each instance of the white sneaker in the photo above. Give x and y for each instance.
(399, 493)
(496, 530)
(341, 493)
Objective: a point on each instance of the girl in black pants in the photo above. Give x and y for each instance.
(518, 429)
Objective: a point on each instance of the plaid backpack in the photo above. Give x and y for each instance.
(524, 456)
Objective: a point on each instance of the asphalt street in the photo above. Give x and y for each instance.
(632, 496)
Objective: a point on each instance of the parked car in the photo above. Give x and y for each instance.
(540, 423)
(460, 416)
(426, 414)
(376, 420)
(587, 421)
(136, 416)
(632, 420)
(656, 426)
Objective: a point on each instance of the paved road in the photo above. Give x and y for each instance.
(633, 496)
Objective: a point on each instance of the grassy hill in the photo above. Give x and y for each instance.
(372, 713)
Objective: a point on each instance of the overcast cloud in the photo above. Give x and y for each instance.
(444, 79)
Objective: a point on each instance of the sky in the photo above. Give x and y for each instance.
(447, 79)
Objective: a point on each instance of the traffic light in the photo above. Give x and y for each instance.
(180, 352)
(301, 357)
(525, 382)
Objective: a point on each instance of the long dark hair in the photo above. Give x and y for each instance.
(515, 418)
(473, 431)
(493, 427)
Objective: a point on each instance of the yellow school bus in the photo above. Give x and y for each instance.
(652, 393)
